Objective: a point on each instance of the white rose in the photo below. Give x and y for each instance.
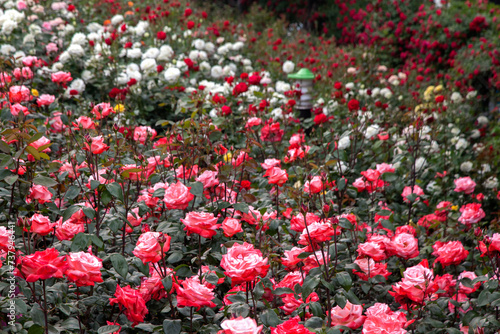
(372, 131)
(194, 54)
(344, 143)
(134, 53)
(87, 76)
(148, 65)
(461, 144)
(386, 92)
(471, 95)
(491, 183)
(28, 38)
(288, 66)
(78, 85)
(166, 53)
(277, 113)
(94, 27)
(482, 121)
(75, 50)
(8, 26)
(475, 134)
(199, 44)
(210, 47)
(420, 163)
(135, 75)
(466, 166)
(349, 85)
(116, 20)
(485, 168)
(64, 57)
(394, 80)
(152, 53)
(216, 72)
(456, 97)
(79, 39)
(172, 74)
(122, 79)
(205, 66)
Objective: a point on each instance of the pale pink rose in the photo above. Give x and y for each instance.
(41, 225)
(51, 47)
(41, 142)
(408, 191)
(470, 275)
(385, 168)
(45, 100)
(270, 163)
(59, 5)
(465, 185)
(61, 77)
(472, 213)
(177, 196)
(404, 245)
(24, 73)
(373, 250)
(21, 5)
(67, 230)
(350, 316)
(84, 269)
(39, 193)
(241, 325)
(15, 109)
(231, 226)
(381, 320)
(84, 122)
(141, 133)
(253, 121)
(416, 284)
(208, 178)
(30, 61)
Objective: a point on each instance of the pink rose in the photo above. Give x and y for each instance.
(148, 247)
(43, 141)
(18, 94)
(41, 265)
(470, 275)
(465, 185)
(241, 325)
(51, 47)
(371, 268)
(243, 263)
(67, 230)
(40, 224)
(269, 163)
(253, 121)
(371, 175)
(381, 320)
(291, 326)
(298, 223)
(132, 300)
(385, 168)
(84, 122)
(350, 316)
(314, 186)
(408, 191)
(403, 245)
(45, 100)
(39, 193)
(134, 219)
(208, 178)
(231, 226)
(202, 223)
(141, 133)
(318, 232)
(6, 236)
(416, 284)
(15, 109)
(97, 146)
(84, 269)
(61, 77)
(276, 176)
(449, 253)
(372, 249)
(177, 196)
(102, 110)
(291, 259)
(192, 293)
(472, 213)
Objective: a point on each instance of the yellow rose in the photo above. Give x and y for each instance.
(119, 108)
(228, 157)
(438, 89)
(34, 92)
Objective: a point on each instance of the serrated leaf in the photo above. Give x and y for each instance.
(45, 181)
(116, 190)
(120, 264)
(172, 326)
(242, 207)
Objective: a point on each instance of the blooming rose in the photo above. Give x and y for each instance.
(192, 293)
(404, 245)
(97, 146)
(61, 77)
(39, 193)
(416, 284)
(318, 232)
(241, 325)
(45, 100)
(253, 121)
(449, 253)
(291, 326)
(369, 267)
(350, 316)
(202, 223)
(385, 168)
(314, 186)
(372, 249)
(6, 237)
(148, 247)
(271, 132)
(84, 122)
(40, 224)
(18, 94)
(133, 302)
(381, 320)
(208, 178)
(465, 185)
(134, 219)
(41, 265)
(276, 176)
(243, 263)
(472, 213)
(408, 191)
(83, 269)
(15, 109)
(298, 223)
(371, 175)
(141, 133)
(177, 196)
(269, 163)
(470, 275)
(102, 110)
(231, 226)
(67, 230)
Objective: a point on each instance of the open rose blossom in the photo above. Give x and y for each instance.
(41, 225)
(291, 326)
(318, 232)
(41, 265)
(132, 301)
(177, 196)
(240, 325)
(403, 245)
(208, 178)
(370, 268)
(276, 176)
(97, 146)
(472, 213)
(39, 193)
(465, 185)
(314, 186)
(381, 320)
(84, 269)
(67, 230)
(407, 191)
(202, 223)
(243, 263)
(141, 133)
(449, 253)
(191, 293)
(350, 316)
(148, 247)
(231, 226)
(416, 285)
(5, 239)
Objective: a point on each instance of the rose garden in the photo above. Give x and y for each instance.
(177, 167)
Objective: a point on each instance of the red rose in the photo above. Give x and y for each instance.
(449, 253)
(202, 223)
(84, 269)
(226, 110)
(39, 193)
(97, 146)
(403, 245)
(190, 25)
(67, 230)
(231, 226)
(353, 105)
(133, 302)
(161, 35)
(472, 213)
(177, 196)
(41, 265)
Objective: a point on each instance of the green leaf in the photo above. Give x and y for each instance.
(33, 151)
(35, 137)
(106, 197)
(97, 241)
(36, 314)
(36, 329)
(341, 184)
(116, 190)
(172, 326)
(309, 284)
(269, 318)
(108, 329)
(340, 300)
(344, 280)
(70, 211)
(167, 283)
(72, 192)
(120, 264)
(243, 207)
(44, 181)
(4, 147)
(175, 257)
(196, 188)
(80, 242)
(11, 179)
(282, 291)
